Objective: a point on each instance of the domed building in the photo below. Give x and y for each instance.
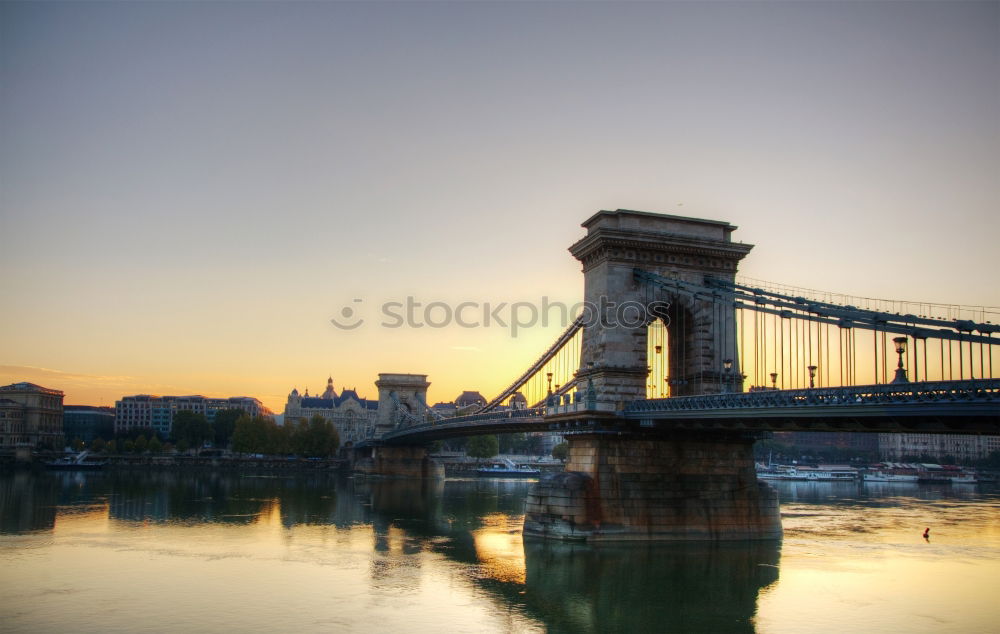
(517, 401)
(469, 399)
(353, 416)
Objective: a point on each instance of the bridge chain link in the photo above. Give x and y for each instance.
(979, 390)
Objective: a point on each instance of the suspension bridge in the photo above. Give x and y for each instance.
(676, 366)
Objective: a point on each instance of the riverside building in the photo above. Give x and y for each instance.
(353, 416)
(941, 447)
(31, 416)
(88, 422)
(146, 411)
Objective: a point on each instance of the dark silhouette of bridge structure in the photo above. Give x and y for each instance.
(671, 459)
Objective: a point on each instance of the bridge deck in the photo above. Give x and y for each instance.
(969, 407)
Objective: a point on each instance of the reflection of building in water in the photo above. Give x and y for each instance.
(27, 502)
(393, 563)
(30, 416)
(352, 415)
(140, 505)
(307, 501)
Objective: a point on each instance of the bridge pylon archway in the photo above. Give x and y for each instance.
(623, 482)
(701, 331)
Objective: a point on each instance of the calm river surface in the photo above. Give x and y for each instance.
(213, 552)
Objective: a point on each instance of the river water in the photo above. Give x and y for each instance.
(213, 552)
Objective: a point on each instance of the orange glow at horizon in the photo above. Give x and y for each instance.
(196, 234)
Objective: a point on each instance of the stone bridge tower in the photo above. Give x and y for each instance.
(396, 392)
(701, 334)
(632, 482)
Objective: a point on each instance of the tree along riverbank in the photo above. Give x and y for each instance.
(179, 461)
(455, 466)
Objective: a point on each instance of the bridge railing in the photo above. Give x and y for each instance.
(531, 412)
(980, 390)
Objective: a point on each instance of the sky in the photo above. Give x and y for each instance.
(189, 192)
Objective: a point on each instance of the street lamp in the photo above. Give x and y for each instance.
(591, 395)
(900, 370)
(727, 365)
(774, 380)
(812, 375)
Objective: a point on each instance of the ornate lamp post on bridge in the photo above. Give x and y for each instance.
(774, 380)
(812, 375)
(900, 370)
(590, 397)
(727, 380)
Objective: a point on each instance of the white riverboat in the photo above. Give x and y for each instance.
(505, 468)
(772, 472)
(920, 473)
(965, 477)
(75, 462)
(823, 473)
(888, 476)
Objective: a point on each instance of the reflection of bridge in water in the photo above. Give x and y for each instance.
(572, 587)
(472, 523)
(676, 367)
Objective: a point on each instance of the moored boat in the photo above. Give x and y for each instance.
(77, 462)
(823, 473)
(505, 468)
(965, 477)
(772, 471)
(922, 473)
(879, 476)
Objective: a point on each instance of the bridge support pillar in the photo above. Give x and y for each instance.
(399, 462)
(686, 486)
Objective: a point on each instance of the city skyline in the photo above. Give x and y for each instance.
(191, 192)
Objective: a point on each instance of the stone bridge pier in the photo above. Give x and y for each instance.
(392, 461)
(621, 485)
(686, 486)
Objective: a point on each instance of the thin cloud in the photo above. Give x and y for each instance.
(62, 375)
